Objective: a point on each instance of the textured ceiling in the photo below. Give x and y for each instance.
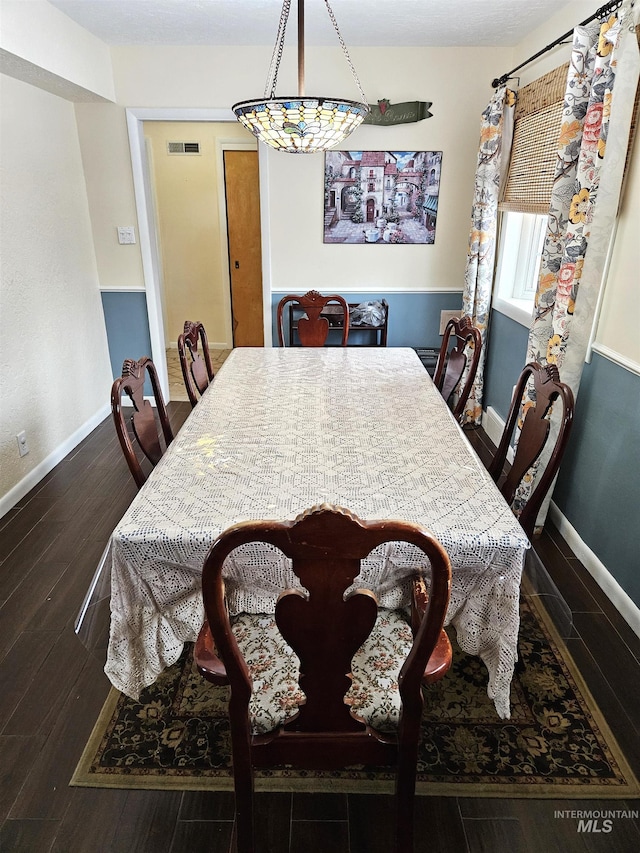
(413, 23)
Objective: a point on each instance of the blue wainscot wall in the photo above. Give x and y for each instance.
(504, 360)
(127, 324)
(598, 488)
(414, 318)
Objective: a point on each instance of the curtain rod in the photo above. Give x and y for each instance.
(608, 7)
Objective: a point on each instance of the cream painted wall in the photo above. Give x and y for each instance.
(215, 78)
(37, 33)
(54, 365)
(562, 22)
(189, 195)
(458, 100)
(620, 316)
(457, 80)
(106, 159)
(297, 218)
(195, 76)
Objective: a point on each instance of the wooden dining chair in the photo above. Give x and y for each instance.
(140, 425)
(197, 371)
(545, 391)
(312, 327)
(452, 360)
(331, 679)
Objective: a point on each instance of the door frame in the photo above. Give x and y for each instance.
(142, 187)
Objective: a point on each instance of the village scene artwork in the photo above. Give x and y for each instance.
(384, 197)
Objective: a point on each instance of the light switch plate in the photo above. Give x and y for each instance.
(126, 234)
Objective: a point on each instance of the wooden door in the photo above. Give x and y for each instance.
(245, 250)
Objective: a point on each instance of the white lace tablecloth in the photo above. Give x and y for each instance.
(278, 431)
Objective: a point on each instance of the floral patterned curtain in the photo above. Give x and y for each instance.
(591, 155)
(496, 135)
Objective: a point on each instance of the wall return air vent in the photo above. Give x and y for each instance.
(183, 147)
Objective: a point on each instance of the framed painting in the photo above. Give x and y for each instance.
(385, 197)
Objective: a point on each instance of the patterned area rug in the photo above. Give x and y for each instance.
(556, 743)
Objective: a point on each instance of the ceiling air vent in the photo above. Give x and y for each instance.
(183, 147)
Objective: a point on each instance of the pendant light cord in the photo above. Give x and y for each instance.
(272, 78)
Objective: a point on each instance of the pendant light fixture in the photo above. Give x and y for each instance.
(301, 125)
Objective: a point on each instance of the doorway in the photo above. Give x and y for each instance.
(207, 212)
(148, 227)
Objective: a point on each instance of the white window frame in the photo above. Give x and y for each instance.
(519, 252)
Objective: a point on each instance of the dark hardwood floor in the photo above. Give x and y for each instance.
(52, 690)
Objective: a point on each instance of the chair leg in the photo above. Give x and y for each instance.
(405, 796)
(243, 787)
(244, 819)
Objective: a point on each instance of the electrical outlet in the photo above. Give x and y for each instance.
(445, 316)
(23, 447)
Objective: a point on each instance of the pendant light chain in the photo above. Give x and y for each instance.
(272, 77)
(345, 51)
(301, 124)
(274, 68)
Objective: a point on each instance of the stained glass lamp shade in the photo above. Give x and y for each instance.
(301, 124)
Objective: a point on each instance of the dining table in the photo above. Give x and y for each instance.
(278, 431)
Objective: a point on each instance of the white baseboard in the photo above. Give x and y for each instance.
(493, 425)
(627, 608)
(11, 498)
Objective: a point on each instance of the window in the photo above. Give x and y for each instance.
(524, 204)
(521, 243)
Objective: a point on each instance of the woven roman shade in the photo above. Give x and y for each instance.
(538, 117)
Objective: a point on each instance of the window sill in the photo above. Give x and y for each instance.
(520, 310)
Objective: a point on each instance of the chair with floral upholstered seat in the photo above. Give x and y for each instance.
(332, 679)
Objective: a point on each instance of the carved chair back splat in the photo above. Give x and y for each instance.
(547, 389)
(329, 633)
(142, 419)
(313, 328)
(451, 363)
(197, 371)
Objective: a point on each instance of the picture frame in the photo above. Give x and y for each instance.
(383, 197)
